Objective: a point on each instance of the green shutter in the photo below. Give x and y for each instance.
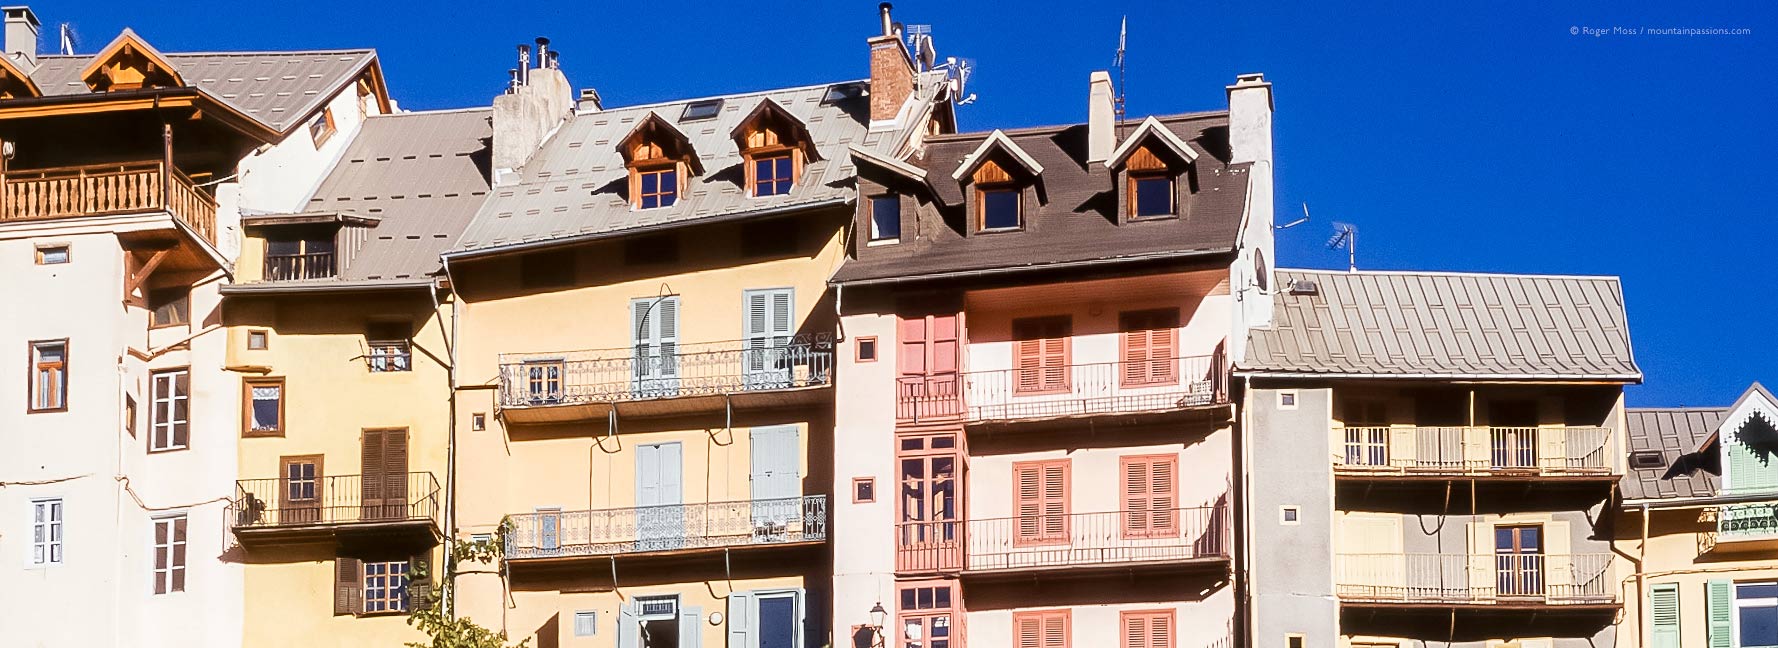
(1747, 474)
(1664, 603)
(1722, 611)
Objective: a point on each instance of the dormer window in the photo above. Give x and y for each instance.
(129, 63)
(660, 159)
(294, 258)
(660, 187)
(1152, 161)
(773, 174)
(998, 172)
(775, 145)
(997, 203)
(1151, 194)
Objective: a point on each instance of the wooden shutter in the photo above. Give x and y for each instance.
(1046, 629)
(1150, 494)
(1147, 629)
(1041, 491)
(182, 419)
(1150, 341)
(1041, 354)
(370, 479)
(1664, 607)
(348, 586)
(384, 480)
(419, 581)
(1721, 595)
(769, 324)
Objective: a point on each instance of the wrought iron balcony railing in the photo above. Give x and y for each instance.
(1750, 521)
(1061, 391)
(651, 529)
(670, 370)
(1461, 579)
(335, 500)
(100, 189)
(1066, 540)
(1469, 450)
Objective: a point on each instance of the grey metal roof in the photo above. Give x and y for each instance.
(1437, 325)
(278, 89)
(1672, 431)
(573, 187)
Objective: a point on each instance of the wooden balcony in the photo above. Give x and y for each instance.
(1029, 395)
(656, 530)
(106, 189)
(281, 511)
(1484, 580)
(1398, 452)
(1180, 538)
(664, 380)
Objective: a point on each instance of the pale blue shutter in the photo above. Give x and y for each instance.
(740, 620)
(549, 528)
(1664, 606)
(769, 326)
(654, 327)
(1721, 602)
(776, 482)
(629, 626)
(802, 617)
(660, 520)
(691, 628)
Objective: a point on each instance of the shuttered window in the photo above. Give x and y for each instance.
(1147, 629)
(348, 593)
(1046, 629)
(384, 480)
(49, 376)
(654, 326)
(1721, 615)
(1664, 606)
(1041, 501)
(770, 323)
(1149, 342)
(169, 554)
(1150, 491)
(1040, 350)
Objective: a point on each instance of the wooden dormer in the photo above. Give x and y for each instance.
(129, 63)
(660, 159)
(14, 83)
(1151, 162)
(775, 145)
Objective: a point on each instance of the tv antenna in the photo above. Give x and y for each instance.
(1123, 32)
(958, 72)
(68, 39)
(1296, 222)
(1346, 236)
(919, 39)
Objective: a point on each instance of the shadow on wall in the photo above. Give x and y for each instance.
(1096, 590)
(1445, 625)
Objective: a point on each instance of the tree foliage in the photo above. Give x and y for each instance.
(445, 629)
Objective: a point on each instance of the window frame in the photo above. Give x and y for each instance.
(1040, 537)
(860, 495)
(154, 399)
(41, 254)
(1148, 618)
(388, 354)
(773, 154)
(322, 127)
(1021, 337)
(35, 367)
(873, 235)
(397, 596)
(858, 347)
(1144, 322)
(981, 206)
(155, 305)
(951, 612)
(172, 577)
(1173, 526)
(1041, 617)
(248, 401)
(1736, 606)
(1133, 182)
(304, 260)
(642, 171)
(54, 542)
(265, 339)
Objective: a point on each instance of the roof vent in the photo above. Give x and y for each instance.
(1304, 287)
(1647, 460)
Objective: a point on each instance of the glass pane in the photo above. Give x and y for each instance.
(777, 621)
(885, 222)
(1000, 209)
(1759, 626)
(1756, 590)
(283, 248)
(265, 413)
(1530, 539)
(650, 183)
(1154, 196)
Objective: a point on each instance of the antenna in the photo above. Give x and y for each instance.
(1123, 31)
(958, 72)
(919, 41)
(1346, 236)
(1296, 222)
(68, 40)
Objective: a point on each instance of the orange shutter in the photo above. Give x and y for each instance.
(1041, 491)
(1150, 494)
(1045, 629)
(1150, 347)
(1148, 629)
(1041, 354)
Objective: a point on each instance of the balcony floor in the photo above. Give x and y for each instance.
(1204, 564)
(545, 414)
(395, 531)
(1442, 623)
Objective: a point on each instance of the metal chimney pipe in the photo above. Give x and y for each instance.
(555, 60)
(542, 51)
(524, 64)
(888, 25)
(512, 84)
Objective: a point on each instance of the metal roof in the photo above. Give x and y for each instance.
(1672, 431)
(277, 89)
(1445, 325)
(575, 184)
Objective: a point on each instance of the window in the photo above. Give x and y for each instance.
(1518, 560)
(543, 381)
(1149, 342)
(290, 259)
(478, 421)
(586, 623)
(300, 501)
(547, 269)
(1147, 628)
(697, 110)
(885, 218)
(321, 127)
(999, 205)
(129, 414)
(46, 532)
(264, 407)
(1045, 629)
(770, 238)
(1756, 615)
(867, 348)
(52, 254)
(385, 586)
(1290, 515)
(169, 410)
(1151, 195)
(771, 174)
(927, 503)
(925, 614)
(1150, 489)
(1040, 350)
(1664, 612)
(658, 617)
(1647, 459)
(1040, 493)
(659, 187)
(169, 307)
(1287, 399)
(864, 490)
(651, 250)
(258, 341)
(49, 376)
(1367, 432)
(169, 554)
(390, 349)
(1294, 641)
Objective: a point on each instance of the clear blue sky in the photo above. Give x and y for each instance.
(1454, 138)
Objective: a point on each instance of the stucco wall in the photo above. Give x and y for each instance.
(1673, 556)
(1199, 624)
(864, 533)
(1292, 564)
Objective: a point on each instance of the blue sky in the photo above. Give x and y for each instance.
(1463, 138)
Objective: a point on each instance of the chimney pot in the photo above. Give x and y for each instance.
(524, 64)
(888, 24)
(555, 61)
(542, 51)
(21, 35)
(1101, 117)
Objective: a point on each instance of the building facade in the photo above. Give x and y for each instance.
(1433, 460)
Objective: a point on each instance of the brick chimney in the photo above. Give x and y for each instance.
(1101, 117)
(538, 101)
(21, 35)
(891, 71)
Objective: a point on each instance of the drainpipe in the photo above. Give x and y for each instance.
(450, 512)
(1642, 638)
(1243, 532)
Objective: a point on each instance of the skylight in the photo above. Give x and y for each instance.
(697, 110)
(843, 91)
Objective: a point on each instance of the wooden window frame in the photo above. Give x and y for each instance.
(1148, 617)
(34, 368)
(1040, 539)
(264, 336)
(169, 567)
(326, 127)
(954, 611)
(858, 349)
(130, 412)
(247, 385)
(389, 353)
(1040, 617)
(1066, 384)
(154, 308)
(868, 483)
(930, 537)
(172, 403)
(637, 171)
(1173, 524)
(1125, 326)
(397, 603)
(981, 206)
(870, 215)
(1134, 178)
(754, 156)
(67, 249)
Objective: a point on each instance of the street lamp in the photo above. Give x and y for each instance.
(878, 617)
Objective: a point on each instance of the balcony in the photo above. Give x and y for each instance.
(1751, 526)
(668, 529)
(274, 511)
(1177, 538)
(296, 267)
(1503, 580)
(1462, 451)
(106, 189)
(664, 380)
(1036, 394)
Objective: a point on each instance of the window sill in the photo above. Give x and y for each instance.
(1156, 217)
(167, 450)
(1171, 382)
(1065, 389)
(157, 327)
(251, 434)
(881, 242)
(48, 410)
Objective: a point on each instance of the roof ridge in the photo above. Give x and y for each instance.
(1454, 273)
(433, 111)
(361, 50)
(1028, 130)
(1678, 408)
(767, 91)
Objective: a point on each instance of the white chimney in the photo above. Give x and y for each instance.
(539, 101)
(21, 35)
(1101, 117)
(1250, 141)
(1250, 119)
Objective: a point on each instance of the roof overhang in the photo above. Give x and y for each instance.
(1151, 128)
(147, 99)
(314, 287)
(996, 140)
(19, 76)
(658, 124)
(1580, 378)
(529, 246)
(1082, 264)
(128, 41)
(309, 218)
(887, 163)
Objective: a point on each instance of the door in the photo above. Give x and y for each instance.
(1513, 433)
(779, 619)
(776, 481)
(549, 530)
(654, 327)
(766, 362)
(660, 511)
(929, 353)
(299, 490)
(1518, 560)
(929, 531)
(384, 478)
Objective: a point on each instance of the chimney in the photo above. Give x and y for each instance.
(539, 102)
(1250, 141)
(1101, 117)
(21, 35)
(542, 52)
(589, 101)
(891, 72)
(1250, 120)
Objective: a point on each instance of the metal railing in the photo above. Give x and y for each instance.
(1751, 521)
(647, 529)
(338, 499)
(664, 371)
(1070, 390)
(99, 189)
(1466, 450)
(1475, 579)
(293, 267)
(1066, 540)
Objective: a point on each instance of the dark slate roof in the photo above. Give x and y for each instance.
(277, 89)
(1076, 222)
(1446, 325)
(1672, 431)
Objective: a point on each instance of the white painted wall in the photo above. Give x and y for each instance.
(864, 432)
(1200, 623)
